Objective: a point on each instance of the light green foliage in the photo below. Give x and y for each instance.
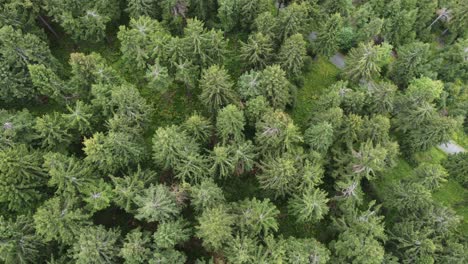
(257, 52)
(222, 161)
(97, 196)
(198, 127)
(230, 124)
(319, 136)
(137, 8)
(217, 88)
(366, 61)
(127, 187)
(79, 117)
(275, 87)
(413, 62)
(173, 148)
(187, 73)
(156, 204)
(410, 198)
(68, 175)
(431, 176)
(112, 152)
(192, 167)
(257, 217)
(279, 175)
(96, 245)
(369, 160)
(127, 101)
(20, 244)
(135, 248)
(87, 70)
(244, 156)
(241, 250)
(206, 195)
(83, 20)
(256, 108)
(215, 227)
(167, 256)
(21, 178)
(52, 131)
(168, 144)
(248, 85)
(142, 41)
(18, 50)
(292, 54)
(171, 233)
(266, 24)
(203, 47)
(60, 220)
(311, 206)
(418, 119)
(326, 43)
(158, 77)
(306, 250)
(48, 83)
(362, 236)
(276, 134)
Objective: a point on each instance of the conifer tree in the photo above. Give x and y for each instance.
(21, 178)
(327, 38)
(292, 54)
(257, 52)
(96, 245)
(217, 88)
(156, 204)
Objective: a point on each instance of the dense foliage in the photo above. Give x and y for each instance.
(145, 131)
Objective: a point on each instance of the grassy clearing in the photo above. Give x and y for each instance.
(321, 75)
(461, 138)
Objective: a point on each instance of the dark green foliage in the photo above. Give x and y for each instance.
(413, 62)
(327, 38)
(135, 248)
(83, 20)
(21, 178)
(17, 127)
(20, 244)
(17, 51)
(457, 167)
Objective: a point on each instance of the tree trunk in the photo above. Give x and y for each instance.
(48, 26)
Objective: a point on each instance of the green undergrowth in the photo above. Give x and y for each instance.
(320, 76)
